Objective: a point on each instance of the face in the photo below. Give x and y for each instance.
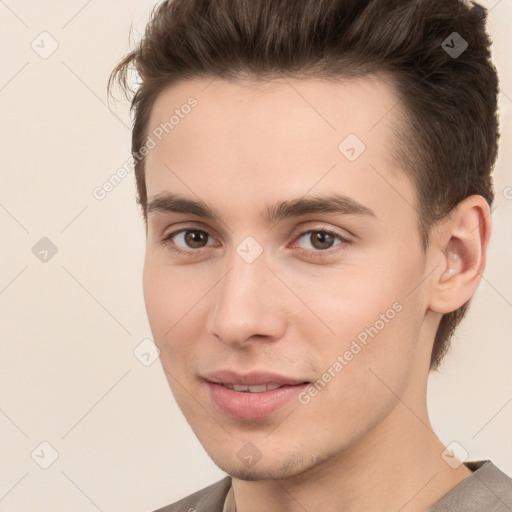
(284, 274)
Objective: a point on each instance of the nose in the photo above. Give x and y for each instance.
(246, 305)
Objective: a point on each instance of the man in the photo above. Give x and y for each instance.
(315, 180)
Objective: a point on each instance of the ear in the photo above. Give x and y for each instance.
(458, 246)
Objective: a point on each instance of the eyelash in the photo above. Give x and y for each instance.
(166, 241)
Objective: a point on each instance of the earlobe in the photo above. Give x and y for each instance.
(460, 245)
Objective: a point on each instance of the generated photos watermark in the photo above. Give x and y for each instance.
(100, 192)
(356, 346)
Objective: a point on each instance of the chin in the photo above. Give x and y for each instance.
(293, 466)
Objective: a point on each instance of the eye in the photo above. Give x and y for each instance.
(319, 240)
(187, 239)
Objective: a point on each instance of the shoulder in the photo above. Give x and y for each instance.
(209, 499)
(487, 489)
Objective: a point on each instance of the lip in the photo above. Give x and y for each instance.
(252, 406)
(250, 379)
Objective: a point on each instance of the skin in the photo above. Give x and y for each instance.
(298, 305)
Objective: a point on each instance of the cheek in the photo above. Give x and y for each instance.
(159, 298)
(369, 314)
(366, 366)
(377, 322)
(349, 299)
(168, 300)
(169, 297)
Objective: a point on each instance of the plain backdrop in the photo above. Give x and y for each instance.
(71, 296)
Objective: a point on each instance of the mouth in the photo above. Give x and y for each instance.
(251, 396)
(254, 389)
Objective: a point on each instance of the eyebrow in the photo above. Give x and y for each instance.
(331, 203)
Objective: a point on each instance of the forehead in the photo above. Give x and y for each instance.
(366, 106)
(283, 136)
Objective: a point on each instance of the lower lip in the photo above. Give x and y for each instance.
(252, 406)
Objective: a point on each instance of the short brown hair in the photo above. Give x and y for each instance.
(448, 143)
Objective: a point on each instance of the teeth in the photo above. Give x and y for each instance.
(252, 389)
(257, 389)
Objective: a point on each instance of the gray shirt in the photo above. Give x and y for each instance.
(486, 490)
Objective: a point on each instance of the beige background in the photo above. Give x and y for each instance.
(70, 325)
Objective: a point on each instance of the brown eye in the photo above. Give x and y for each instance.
(319, 240)
(196, 239)
(188, 239)
(322, 240)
